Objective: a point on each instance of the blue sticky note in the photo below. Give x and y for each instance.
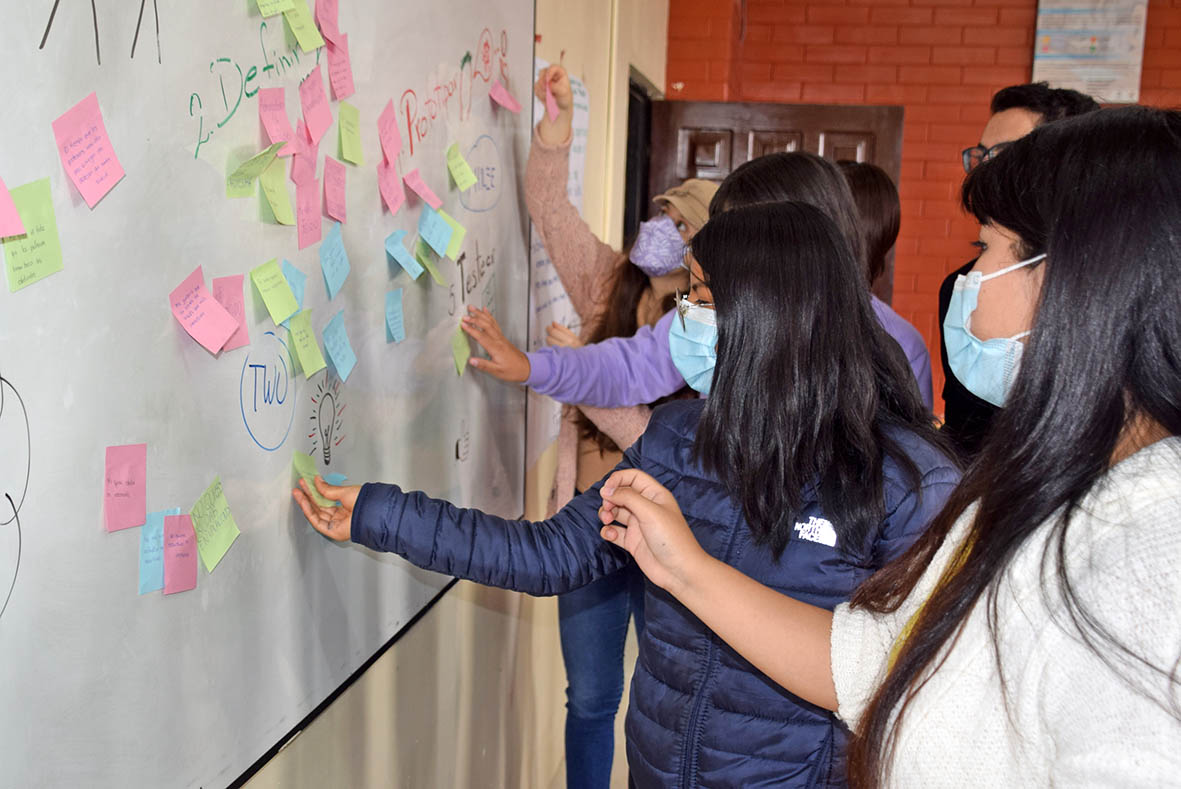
(395, 249)
(334, 261)
(297, 280)
(434, 230)
(340, 351)
(394, 330)
(335, 478)
(151, 551)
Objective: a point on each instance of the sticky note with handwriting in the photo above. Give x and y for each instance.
(10, 218)
(274, 188)
(307, 208)
(461, 171)
(396, 249)
(334, 261)
(303, 162)
(414, 180)
(395, 329)
(460, 349)
(348, 119)
(458, 233)
(272, 111)
(340, 68)
(228, 292)
(86, 151)
(327, 14)
(272, 7)
(35, 255)
(388, 133)
(501, 96)
(125, 486)
(272, 286)
(240, 183)
(303, 27)
(151, 551)
(198, 312)
(180, 554)
(423, 254)
(340, 350)
(317, 115)
(303, 339)
(392, 191)
(433, 230)
(334, 199)
(214, 524)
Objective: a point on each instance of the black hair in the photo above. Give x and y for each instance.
(880, 211)
(1100, 194)
(1050, 104)
(807, 383)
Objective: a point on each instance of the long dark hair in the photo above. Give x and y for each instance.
(807, 383)
(1100, 194)
(879, 209)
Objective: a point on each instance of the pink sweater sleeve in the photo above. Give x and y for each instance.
(622, 425)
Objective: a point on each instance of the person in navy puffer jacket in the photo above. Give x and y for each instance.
(812, 463)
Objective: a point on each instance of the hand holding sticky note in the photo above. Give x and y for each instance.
(305, 468)
(198, 312)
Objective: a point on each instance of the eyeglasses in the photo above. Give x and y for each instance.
(978, 153)
(683, 304)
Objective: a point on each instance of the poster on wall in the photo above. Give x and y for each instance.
(548, 301)
(1095, 47)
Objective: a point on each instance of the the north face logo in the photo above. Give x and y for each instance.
(817, 530)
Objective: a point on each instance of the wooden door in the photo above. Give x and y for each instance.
(700, 139)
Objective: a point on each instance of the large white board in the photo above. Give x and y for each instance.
(100, 686)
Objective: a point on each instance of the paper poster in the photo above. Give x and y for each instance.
(214, 525)
(198, 312)
(228, 293)
(37, 254)
(180, 554)
(86, 151)
(125, 487)
(396, 249)
(1092, 46)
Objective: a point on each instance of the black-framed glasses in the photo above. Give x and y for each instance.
(978, 153)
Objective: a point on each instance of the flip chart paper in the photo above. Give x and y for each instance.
(349, 120)
(228, 293)
(272, 7)
(551, 105)
(305, 467)
(272, 111)
(307, 206)
(297, 280)
(303, 339)
(458, 233)
(433, 230)
(390, 185)
(274, 187)
(198, 312)
(395, 329)
(180, 554)
(37, 254)
(414, 180)
(272, 286)
(334, 199)
(240, 183)
(340, 350)
(86, 151)
(303, 27)
(125, 487)
(460, 350)
(151, 551)
(461, 171)
(334, 261)
(340, 69)
(317, 115)
(501, 96)
(327, 12)
(396, 249)
(422, 253)
(388, 133)
(214, 524)
(10, 218)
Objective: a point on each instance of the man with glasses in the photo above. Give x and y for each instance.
(1016, 111)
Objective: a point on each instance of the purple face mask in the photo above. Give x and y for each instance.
(659, 248)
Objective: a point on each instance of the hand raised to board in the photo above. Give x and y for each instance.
(505, 360)
(335, 523)
(557, 334)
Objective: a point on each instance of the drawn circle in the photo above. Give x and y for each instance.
(15, 450)
(267, 395)
(484, 159)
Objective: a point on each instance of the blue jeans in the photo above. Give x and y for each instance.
(592, 622)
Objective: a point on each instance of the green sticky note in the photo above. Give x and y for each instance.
(303, 339)
(38, 253)
(275, 291)
(215, 527)
(272, 7)
(274, 185)
(299, 19)
(461, 171)
(423, 254)
(458, 232)
(240, 183)
(305, 467)
(460, 349)
(349, 121)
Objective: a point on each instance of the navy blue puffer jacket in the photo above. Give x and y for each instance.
(700, 714)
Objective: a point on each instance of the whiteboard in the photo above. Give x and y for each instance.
(100, 686)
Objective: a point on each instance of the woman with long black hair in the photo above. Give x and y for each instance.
(1031, 635)
(812, 463)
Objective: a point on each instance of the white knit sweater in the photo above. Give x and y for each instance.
(1071, 720)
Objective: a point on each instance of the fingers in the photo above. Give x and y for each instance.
(615, 536)
(318, 520)
(639, 481)
(329, 491)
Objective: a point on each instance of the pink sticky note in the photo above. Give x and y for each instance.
(388, 133)
(307, 212)
(415, 182)
(303, 164)
(551, 105)
(340, 70)
(228, 293)
(334, 201)
(391, 186)
(86, 151)
(314, 101)
(501, 96)
(199, 313)
(272, 111)
(125, 490)
(327, 13)
(180, 554)
(10, 219)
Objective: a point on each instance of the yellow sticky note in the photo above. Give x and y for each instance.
(275, 291)
(303, 339)
(458, 232)
(460, 349)
(461, 171)
(214, 524)
(305, 467)
(423, 254)
(349, 121)
(272, 7)
(274, 185)
(240, 183)
(299, 19)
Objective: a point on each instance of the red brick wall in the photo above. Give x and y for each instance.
(940, 59)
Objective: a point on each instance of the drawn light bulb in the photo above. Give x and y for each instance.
(325, 421)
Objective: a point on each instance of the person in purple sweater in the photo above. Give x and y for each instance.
(638, 369)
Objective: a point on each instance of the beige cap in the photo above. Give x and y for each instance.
(692, 199)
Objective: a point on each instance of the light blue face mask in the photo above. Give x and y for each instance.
(986, 368)
(693, 344)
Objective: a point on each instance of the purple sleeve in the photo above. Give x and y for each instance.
(908, 337)
(621, 371)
